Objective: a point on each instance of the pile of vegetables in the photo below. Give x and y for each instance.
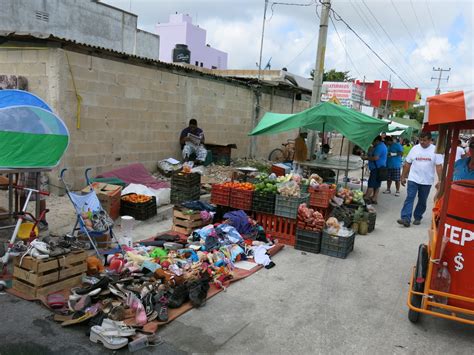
(136, 198)
(351, 196)
(289, 189)
(343, 214)
(310, 219)
(266, 184)
(315, 180)
(240, 185)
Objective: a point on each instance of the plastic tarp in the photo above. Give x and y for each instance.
(31, 135)
(357, 127)
(451, 107)
(396, 129)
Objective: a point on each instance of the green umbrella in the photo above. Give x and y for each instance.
(358, 127)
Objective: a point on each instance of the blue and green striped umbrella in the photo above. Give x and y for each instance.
(31, 135)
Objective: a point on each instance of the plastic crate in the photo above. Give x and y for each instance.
(281, 228)
(263, 202)
(320, 197)
(220, 195)
(180, 195)
(372, 219)
(309, 241)
(336, 246)
(185, 180)
(288, 206)
(241, 199)
(139, 211)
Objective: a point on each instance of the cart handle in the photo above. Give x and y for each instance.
(19, 187)
(86, 173)
(61, 175)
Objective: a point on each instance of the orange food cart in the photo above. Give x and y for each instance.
(451, 236)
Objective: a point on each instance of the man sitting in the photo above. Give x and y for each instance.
(192, 142)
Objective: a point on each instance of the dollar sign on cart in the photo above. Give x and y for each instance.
(459, 262)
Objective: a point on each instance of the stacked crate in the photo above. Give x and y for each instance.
(185, 187)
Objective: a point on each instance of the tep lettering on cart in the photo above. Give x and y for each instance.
(192, 142)
(419, 169)
(464, 168)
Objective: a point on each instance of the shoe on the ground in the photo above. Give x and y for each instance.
(416, 222)
(404, 222)
(387, 192)
(397, 193)
(97, 335)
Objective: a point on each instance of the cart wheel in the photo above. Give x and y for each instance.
(420, 270)
(414, 316)
(276, 155)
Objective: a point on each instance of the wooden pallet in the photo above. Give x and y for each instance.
(37, 278)
(186, 223)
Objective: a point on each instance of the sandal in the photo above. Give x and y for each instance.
(110, 342)
(117, 328)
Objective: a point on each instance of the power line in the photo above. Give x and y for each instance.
(343, 46)
(416, 16)
(403, 23)
(339, 18)
(289, 4)
(306, 47)
(431, 17)
(384, 31)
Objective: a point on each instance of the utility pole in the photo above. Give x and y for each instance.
(385, 114)
(261, 40)
(440, 77)
(319, 66)
(257, 92)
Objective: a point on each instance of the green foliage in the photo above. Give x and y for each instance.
(333, 75)
(415, 113)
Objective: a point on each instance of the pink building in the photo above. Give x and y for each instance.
(180, 30)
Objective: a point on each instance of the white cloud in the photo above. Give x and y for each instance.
(235, 27)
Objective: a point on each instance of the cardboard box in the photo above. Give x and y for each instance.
(109, 197)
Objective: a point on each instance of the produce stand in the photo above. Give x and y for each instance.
(338, 165)
(452, 223)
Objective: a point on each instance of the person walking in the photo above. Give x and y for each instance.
(419, 169)
(377, 158)
(394, 164)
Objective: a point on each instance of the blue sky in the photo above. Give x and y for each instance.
(412, 36)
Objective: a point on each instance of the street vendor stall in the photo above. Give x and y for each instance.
(357, 127)
(441, 284)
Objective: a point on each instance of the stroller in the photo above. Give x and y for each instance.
(91, 220)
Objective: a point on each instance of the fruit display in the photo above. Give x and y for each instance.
(266, 184)
(240, 185)
(351, 196)
(136, 198)
(310, 219)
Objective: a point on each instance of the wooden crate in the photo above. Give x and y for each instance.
(186, 223)
(37, 278)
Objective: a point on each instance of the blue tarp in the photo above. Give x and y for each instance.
(10, 98)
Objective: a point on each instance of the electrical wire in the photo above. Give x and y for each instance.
(431, 17)
(339, 18)
(289, 4)
(416, 17)
(306, 47)
(404, 24)
(386, 33)
(343, 46)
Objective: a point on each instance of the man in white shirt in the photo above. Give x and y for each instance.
(420, 166)
(460, 153)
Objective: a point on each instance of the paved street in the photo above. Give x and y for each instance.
(306, 304)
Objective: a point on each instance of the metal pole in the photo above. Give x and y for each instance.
(388, 97)
(261, 40)
(319, 66)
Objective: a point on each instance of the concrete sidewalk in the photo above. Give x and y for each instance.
(308, 303)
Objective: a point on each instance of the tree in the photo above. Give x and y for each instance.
(333, 75)
(415, 113)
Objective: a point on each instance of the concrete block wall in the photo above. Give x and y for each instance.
(132, 113)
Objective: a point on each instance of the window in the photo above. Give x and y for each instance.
(201, 65)
(196, 63)
(213, 67)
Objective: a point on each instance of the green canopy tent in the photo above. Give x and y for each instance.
(357, 127)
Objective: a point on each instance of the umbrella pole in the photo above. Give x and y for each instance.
(347, 163)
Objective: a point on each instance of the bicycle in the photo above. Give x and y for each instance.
(280, 155)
